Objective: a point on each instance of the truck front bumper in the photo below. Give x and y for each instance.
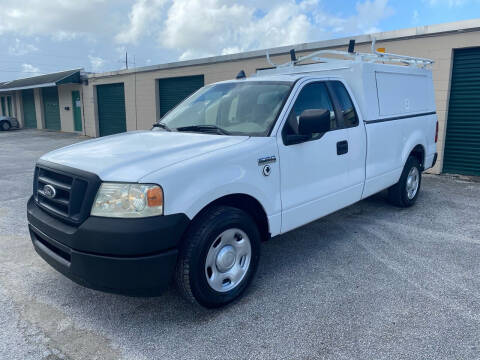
(133, 257)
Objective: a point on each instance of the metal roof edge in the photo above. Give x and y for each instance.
(419, 31)
(29, 87)
(47, 84)
(73, 72)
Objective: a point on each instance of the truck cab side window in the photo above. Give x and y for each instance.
(350, 117)
(312, 96)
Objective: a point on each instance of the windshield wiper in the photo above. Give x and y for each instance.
(161, 125)
(204, 128)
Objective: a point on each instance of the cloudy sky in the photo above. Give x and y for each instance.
(41, 36)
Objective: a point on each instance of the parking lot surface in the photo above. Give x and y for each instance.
(369, 282)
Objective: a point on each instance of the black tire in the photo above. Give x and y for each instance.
(397, 194)
(191, 275)
(5, 125)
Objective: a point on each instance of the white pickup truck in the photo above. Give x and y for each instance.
(236, 163)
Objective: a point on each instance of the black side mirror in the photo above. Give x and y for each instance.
(313, 121)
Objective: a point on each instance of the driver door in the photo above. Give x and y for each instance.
(313, 173)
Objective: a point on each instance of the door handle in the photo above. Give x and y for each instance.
(342, 147)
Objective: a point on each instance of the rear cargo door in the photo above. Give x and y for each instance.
(51, 108)
(28, 105)
(462, 142)
(111, 109)
(173, 90)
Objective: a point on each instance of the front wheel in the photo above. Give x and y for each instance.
(5, 126)
(219, 257)
(405, 192)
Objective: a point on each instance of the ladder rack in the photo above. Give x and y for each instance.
(374, 56)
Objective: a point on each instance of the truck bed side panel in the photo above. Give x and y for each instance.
(405, 118)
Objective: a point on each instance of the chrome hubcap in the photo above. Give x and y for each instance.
(413, 180)
(228, 260)
(225, 258)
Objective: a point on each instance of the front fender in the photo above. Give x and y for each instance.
(191, 185)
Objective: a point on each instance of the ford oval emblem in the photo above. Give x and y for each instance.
(49, 191)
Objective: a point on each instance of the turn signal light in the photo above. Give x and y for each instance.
(155, 197)
(381, 50)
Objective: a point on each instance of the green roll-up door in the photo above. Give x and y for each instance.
(111, 109)
(51, 108)
(28, 105)
(76, 110)
(173, 90)
(9, 105)
(462, 142)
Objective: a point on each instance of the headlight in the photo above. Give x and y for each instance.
(128, 200)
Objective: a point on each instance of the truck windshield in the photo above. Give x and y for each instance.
(238, 108)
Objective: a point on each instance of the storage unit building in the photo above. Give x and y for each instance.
(150, 92)
(45, 101)
(127, 100)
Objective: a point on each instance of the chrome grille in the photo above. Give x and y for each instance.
(63, 187)
(69, 201)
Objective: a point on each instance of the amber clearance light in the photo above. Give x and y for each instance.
(155, 197)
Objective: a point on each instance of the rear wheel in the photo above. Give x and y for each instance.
(219, 257)
(405, 192)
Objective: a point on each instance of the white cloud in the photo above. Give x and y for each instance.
(20, 48)
(207, 27)
(366, 20)
(369, 14)
(65, 35)
(96, 62)
(58, 19)
(198, 28)
(143, 15)
(185, 28)
(30, 70)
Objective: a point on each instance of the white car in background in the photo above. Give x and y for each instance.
(8, 122)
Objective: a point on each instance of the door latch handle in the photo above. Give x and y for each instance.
(342, 147)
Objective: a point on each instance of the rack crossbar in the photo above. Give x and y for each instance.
(374, 56)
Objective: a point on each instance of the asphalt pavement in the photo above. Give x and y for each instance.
(369, 282)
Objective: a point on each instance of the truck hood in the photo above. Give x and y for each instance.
(130, 156)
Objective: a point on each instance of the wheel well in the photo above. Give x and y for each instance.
(419, 153)
(248, 204)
